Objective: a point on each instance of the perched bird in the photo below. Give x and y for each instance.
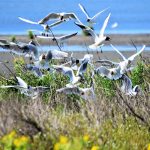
(126, 63)
(97, 39)
(90, 19)
(127, 88)
(42, 23)
(27, 90)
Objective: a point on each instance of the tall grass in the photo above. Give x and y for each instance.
(56, 121)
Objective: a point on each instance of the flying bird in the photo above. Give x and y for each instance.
(127, 88)
(90, 19)
(98, 40)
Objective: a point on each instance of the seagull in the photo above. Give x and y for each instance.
(112, 73)
(97, 39)
(42, 23)
(127, 86)
(27, 90)
(60, 39)
(126, 63)
(75, 62)
(63, 16)
(85, 93)
(69, 72)
(90, 19)
(37, 72)
(9, 45)
(31, 48)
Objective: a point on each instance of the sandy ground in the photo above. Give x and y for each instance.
(4, 56)
(117, 39)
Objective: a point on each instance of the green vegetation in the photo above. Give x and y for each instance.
(56, 121)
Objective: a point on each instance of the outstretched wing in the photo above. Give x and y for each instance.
(28, 21)
(118, 52)
(133, 56)
(22, 83)
(104, 26)
(48, 17)
(65, 37)
(84, 10)
(99, 13)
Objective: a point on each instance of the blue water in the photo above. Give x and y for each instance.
(132, 16)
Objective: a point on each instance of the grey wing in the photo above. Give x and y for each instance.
(126, 84)
(83, 27)
(41, 89)
(56, 23)
(82, 68)
(107, 61)
(59, 54)
(103, 71)
(69, 90)
(48, 17)
(62, 38)
(69, 15)
(49, 56)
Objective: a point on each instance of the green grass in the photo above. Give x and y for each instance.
(67, 122)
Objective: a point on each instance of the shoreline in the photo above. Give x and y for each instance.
(117, 39)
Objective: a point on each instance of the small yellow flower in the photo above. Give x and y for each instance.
(24, 139)
(57, 146)
(63, 140)
(95, 148)
(86, 138)
(12, 134)
(17, 142)
(148, 147)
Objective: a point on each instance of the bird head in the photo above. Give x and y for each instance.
(107, 38)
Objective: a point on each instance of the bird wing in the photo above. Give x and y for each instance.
(28, 21)
(45, 37)
(69, 90)
(82, 68)
(22, 83)
(107, 61)
(65, 70)
(56, 23)
(139, 52)
(48, 17)
(118, 52)
(94, 17)
(88, 29)
(84, 10)
(126, 84)
(59, 54)
(69, 15)
(62, 38)
(104, 26)
(103, 71)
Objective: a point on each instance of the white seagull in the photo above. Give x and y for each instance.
(127, 88)
(97, 39)
(90, 19)
(73, 79)
(42, 23)
(111, 73)
(60, 39)
(85, 93)
(27, 90)
(126, 63)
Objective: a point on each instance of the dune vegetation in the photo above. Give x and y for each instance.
(67, 122)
